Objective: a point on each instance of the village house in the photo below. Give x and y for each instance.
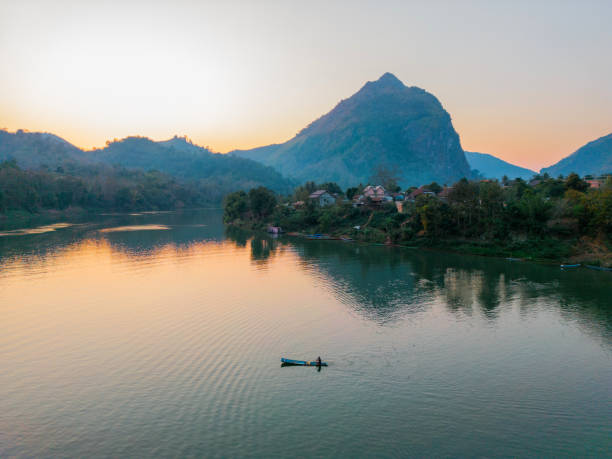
(375, 193)
(322, 198)
(444, 194)
(358, 200)
(418, 192)
(596, 183)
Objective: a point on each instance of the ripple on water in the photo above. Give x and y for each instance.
(36, 230)
(136, 345)
(118, 229)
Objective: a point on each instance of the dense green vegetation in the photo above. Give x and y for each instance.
(98, 187)
(43, 171)
(554, 218)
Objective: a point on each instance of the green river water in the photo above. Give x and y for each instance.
(160, 334)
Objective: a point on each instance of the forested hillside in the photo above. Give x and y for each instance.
(43, 171)
(98, 188)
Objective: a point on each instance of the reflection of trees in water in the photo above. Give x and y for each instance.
(239, 236)
(384, 284)
(466, 290)
(262, 248)
(376, 281)
(381, 283)
(262, 245)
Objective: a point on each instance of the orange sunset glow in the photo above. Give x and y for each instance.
(526, 82)
(273, 228)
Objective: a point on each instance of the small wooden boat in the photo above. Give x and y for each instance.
(598, 268)
(318, 236)
(304, 363)
(570, 266)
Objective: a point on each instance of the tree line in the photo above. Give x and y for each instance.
(97, 187)
(506, 213)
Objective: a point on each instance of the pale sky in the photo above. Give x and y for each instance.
(528, 81)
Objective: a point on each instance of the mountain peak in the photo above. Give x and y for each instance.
(389, 80)
(387, 83)
(384, 123)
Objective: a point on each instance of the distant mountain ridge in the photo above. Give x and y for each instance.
(177, 157)
(385, 123)
(492, 167)
(593, 158)
(34, 149)
(185, 160)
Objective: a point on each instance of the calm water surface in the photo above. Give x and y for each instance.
(161, 335)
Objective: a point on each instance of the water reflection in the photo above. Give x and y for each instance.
(166, 343)
(381, 284)
(384, 284)
(148, 232)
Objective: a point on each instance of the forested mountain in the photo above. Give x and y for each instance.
(385, 124)
(494, 168)
(184, 160)
(35, 149)
(593, 158)
(181, 173)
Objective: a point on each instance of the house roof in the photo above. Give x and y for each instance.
(375, 191)
(445, 192)
(416, 192)
(419, 191)
(317, 194)
(594, 183)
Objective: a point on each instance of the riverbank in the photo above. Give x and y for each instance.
(555, 220)
(17, 219)
(13, 219)
(584, 250)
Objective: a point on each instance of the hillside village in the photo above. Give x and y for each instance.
(545, 218)
(376, 195)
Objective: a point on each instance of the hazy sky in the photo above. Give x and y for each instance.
(527, 81)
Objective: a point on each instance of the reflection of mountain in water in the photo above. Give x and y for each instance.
(385, 283)
(380, 283)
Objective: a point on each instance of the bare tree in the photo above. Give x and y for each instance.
(387, 176)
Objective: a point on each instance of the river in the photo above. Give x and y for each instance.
(160, 334)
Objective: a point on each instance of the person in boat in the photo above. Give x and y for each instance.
(319, 361)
